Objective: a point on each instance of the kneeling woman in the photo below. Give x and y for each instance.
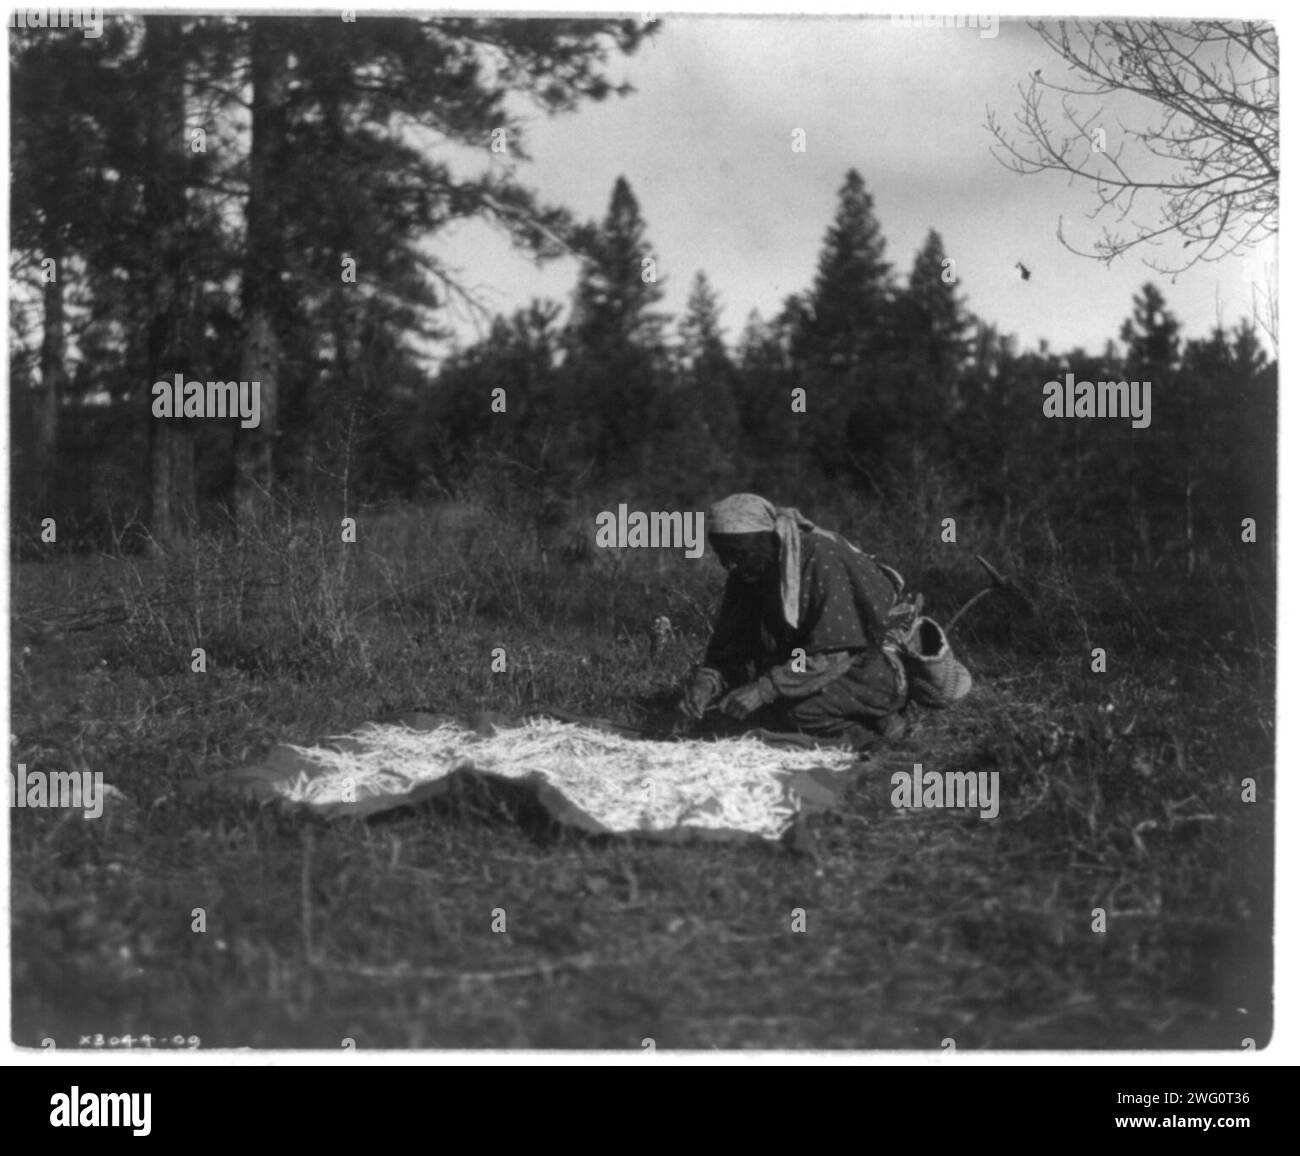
(799, 642)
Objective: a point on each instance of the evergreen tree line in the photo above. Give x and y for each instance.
(201, 185)
(859, 383)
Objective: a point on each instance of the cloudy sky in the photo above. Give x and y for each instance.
(705, 142)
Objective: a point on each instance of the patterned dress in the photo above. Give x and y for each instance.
(828, 676)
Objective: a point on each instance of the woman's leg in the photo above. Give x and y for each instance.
(868, 695)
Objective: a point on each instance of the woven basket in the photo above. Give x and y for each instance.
(935, 676)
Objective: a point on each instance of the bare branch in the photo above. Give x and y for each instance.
(1209, 157)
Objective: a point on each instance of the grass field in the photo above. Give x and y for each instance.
(1120, 791)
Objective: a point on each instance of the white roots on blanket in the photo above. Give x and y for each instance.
(624, 784)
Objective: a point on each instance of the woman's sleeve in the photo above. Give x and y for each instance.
(817, 671)
(733, 646)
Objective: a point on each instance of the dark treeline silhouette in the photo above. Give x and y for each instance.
(227, 198)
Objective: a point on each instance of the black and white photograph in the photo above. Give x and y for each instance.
(627, 533)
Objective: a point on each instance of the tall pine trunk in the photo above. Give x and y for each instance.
(171, 440)
(255, 448)
(54, 349)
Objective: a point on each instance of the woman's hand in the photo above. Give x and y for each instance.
(695, 700)
(743, 701)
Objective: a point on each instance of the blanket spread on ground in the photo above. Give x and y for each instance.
(585, 776)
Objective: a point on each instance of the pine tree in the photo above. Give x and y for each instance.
(772, 433)
(616, 337)
(841, 332)
(617, 290)
(1151, 337)
(1248, 350)
(703, 419)
(699, 333)
(362, 192)
(761, 362)
(920, 374)
(1155, 477)
(171, 313)
(932, 324)
(849, 304)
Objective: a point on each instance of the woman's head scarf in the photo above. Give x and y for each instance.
(750, 514)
